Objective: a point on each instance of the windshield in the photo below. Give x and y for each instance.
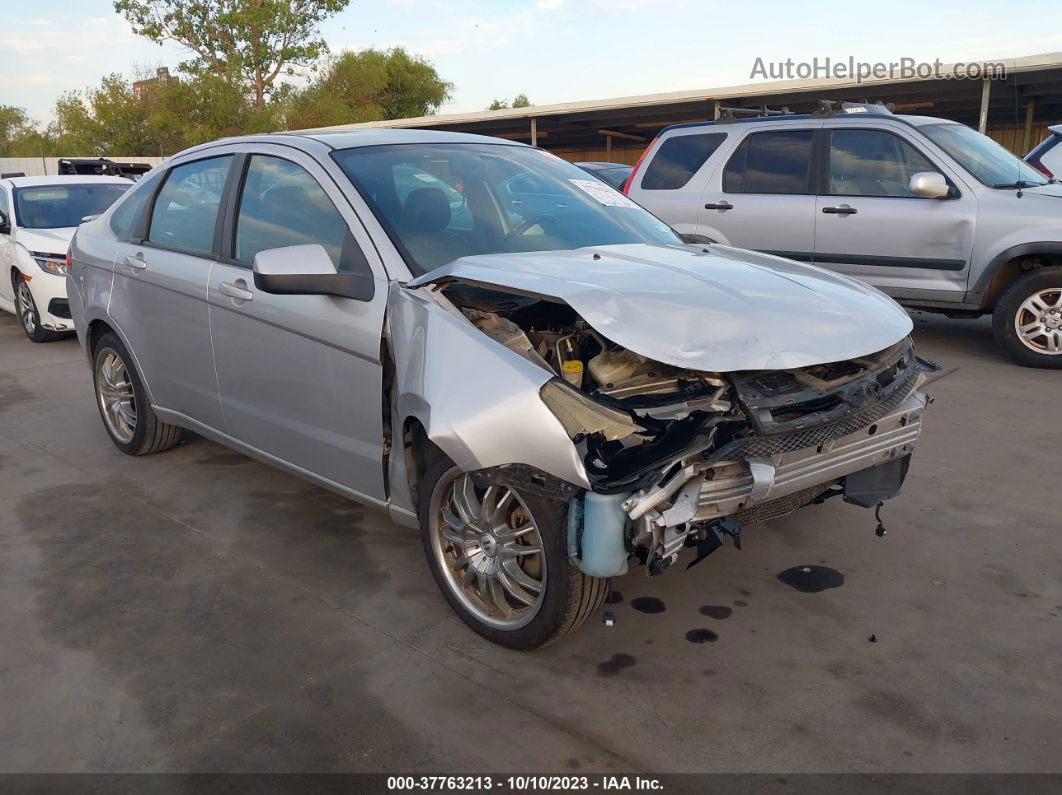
(440, 202)
(989, 162)
(59, 206)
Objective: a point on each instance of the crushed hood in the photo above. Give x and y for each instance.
(47, 241)
(722, 311)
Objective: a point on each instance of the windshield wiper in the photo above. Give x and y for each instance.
(1018, 184)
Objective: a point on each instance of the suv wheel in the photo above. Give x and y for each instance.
(1027, 319)
(26, 311)
(127, 414)
(500, 558)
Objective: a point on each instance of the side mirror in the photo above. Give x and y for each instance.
(308, 270)
(930, 185)
(5, 224)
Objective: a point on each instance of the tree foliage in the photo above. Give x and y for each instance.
(251, 41)
(368, 86)
(519, 101)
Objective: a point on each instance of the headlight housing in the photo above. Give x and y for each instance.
(582, 416)
(50, 263)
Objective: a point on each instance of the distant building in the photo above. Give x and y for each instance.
(162, 75)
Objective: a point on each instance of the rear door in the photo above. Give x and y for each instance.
(870, 226)
(158, 298)
(763, 198)
(300, 375)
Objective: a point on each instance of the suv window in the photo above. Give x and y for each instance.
(125, 220)
(186, 208)
(283, 205)
(3, 203)
(771, 162)
(678, 159)
(873, 163)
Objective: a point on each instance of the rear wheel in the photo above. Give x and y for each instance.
(500, 558)
(1027, 319)
(26, 310)
(127, 415)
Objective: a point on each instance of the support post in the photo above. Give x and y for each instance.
(715, 114)
(982, 123)
(608, 148)
(1030, 111)
(534, 131)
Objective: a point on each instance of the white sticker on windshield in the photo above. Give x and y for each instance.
(607, 195)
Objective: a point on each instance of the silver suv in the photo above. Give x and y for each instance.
(493, 345)
(931, 212)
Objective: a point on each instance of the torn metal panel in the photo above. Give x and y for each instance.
(478, 401)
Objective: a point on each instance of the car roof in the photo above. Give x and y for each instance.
(64, 179)
(866, 118)
(352, 138)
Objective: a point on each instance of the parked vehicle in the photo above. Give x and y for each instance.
(1046, 156)
(546, 396)
(101, 166)
(38, 216)
(930, 211)
(614, 174)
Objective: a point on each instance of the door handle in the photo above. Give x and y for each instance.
(135, 261)
(235, 291)
(844, 209)
(719, 206)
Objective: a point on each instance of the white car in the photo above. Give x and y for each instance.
(38, 216)
(1046, 156)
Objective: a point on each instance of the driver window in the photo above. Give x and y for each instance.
(873, 163)
(283, 205)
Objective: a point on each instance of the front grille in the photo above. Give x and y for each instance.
(766, 446)
(772, 509)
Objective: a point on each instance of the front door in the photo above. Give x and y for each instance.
(300, 375)
(158, 299)
(870, 226)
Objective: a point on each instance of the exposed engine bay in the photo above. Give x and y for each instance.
(690, 456)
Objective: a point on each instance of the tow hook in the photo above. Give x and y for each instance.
(880, 530)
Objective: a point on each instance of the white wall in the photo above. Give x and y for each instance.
(44, 166)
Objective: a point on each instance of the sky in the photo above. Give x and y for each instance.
(552, 50)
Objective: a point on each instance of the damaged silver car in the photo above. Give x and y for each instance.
(492, 346)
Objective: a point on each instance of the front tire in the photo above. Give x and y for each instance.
(1027, 319)
(29, 317)
(500, 557)
(120, 396)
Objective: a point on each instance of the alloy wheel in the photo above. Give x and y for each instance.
(1038, 322)
(490, 550)
(115, 393)
(27, 310)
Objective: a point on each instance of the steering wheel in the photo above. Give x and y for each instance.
(528, 223)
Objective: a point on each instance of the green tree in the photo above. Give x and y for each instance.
(105, 119)
(520, 101)
(252, 41)
(14, 124)
(368, 86)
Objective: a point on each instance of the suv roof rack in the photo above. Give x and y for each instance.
(831, 107)
(731, 113)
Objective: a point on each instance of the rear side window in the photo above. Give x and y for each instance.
(125, 220)
(186, 209)
(283, 205)
(771, 162)
(678, 159)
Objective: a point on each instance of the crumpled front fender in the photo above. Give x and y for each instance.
(477, 400)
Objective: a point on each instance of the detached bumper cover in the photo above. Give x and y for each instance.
(806, 463)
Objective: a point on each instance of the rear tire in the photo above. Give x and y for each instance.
(124, 408)
(29, 317)
(496, 539)
(1027, 319)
